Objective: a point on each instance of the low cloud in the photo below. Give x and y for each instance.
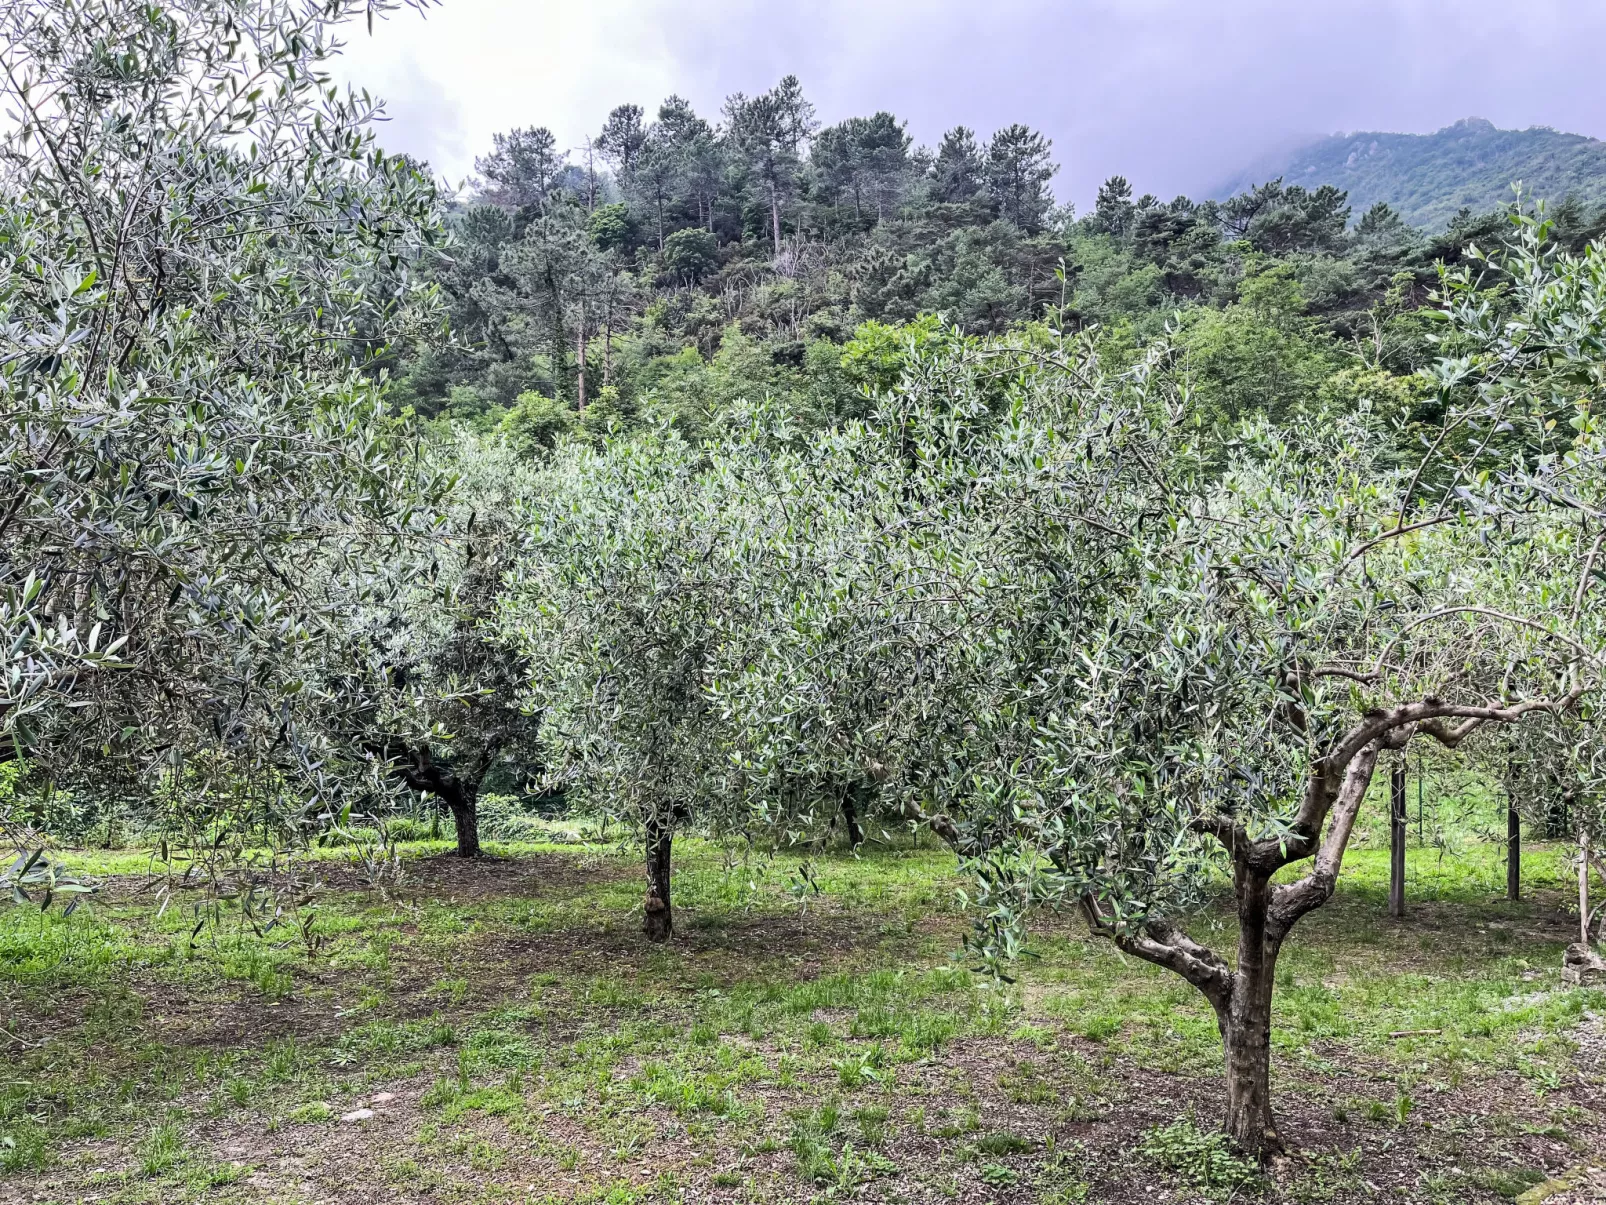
(1174, 94)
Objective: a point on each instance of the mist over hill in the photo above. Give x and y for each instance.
(1428, 178)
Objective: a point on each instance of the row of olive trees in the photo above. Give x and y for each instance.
(1112, 658)
(1108, 655)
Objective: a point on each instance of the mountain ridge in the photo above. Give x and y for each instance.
(1429, 178)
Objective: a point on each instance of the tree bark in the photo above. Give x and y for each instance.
(466, 819)
(1583, 887)
(775, 217)
(850, 812)
(659, 922)
(459, 792)
(580, 366)
(1334, 793)
(1244, 1018)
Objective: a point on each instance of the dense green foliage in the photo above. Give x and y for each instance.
(687, 264)
(1430, 178)
(774, 476)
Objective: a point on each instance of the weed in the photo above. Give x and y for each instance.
(996, 1175)
(1080, 1108)
(816, 1163)
(859, 1067)
(1326, 1178)
(967, 1122)
(162, 1150)
(1511, 1184)
(1099, 1028)
(23, 1146)
(1057, 1181)
(1203, 1159)
(1003, 1144)
(872, 1121)
(1025, 1085)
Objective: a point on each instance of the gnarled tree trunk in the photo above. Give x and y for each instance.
(458, 791)
(659, 921)
(1334, 792)
(1244, 1017)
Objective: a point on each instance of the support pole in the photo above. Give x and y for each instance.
(1583, 888)
(1513, 851)
(1397, 840)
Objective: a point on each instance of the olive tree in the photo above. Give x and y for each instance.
(441, 696)
(1162, 662)
(1556, 775)
(201, 250)
(867, 660)
(625, 605)
(1242, 636)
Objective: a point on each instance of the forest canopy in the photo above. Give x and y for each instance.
(677, 262)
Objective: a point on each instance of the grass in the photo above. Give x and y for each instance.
(524, 1035)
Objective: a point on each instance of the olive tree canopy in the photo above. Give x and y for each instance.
(201, 250)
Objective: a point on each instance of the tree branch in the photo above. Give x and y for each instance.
(939, 824)
(1291, 901)
(1166, 946)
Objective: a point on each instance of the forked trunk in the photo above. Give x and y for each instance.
(659, 922)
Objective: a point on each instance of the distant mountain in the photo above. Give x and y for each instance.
(1428, 177)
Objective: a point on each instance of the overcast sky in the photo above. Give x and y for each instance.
(1175, 94)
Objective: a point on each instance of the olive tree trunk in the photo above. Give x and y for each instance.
(1335, 789)
(457, 788)
(659, 921)
(1244, 1017)
(465, 807)
(851, 799)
